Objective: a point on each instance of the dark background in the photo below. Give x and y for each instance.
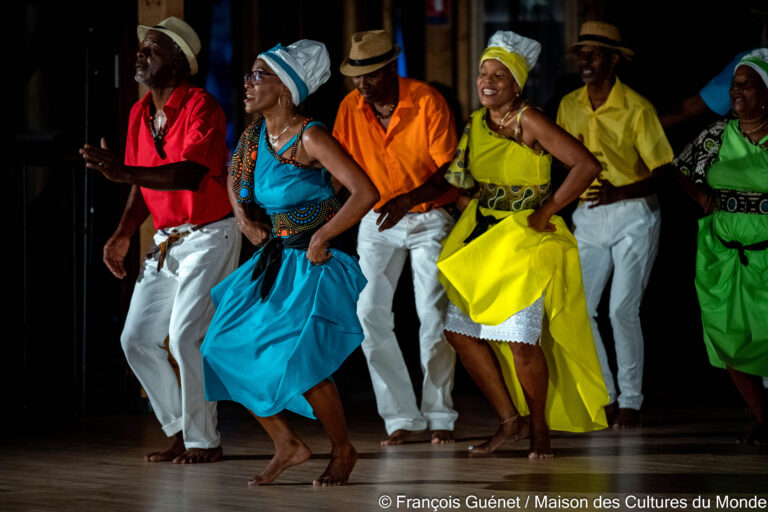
(64, 311)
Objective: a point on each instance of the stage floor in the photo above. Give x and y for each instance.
(96, 464)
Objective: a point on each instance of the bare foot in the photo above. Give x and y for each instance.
(757, 435)
(512, 429)
(441, 437)
(398, 437)
(199, 456)
(291, 454)
(540, 447)
(627, 418)
(611, 411)
(174, 450)
(343, 460)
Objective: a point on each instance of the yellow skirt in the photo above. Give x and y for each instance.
(505, 270)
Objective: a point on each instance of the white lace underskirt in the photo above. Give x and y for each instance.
(524, 326)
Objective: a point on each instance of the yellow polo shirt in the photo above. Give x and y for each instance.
(624, 133)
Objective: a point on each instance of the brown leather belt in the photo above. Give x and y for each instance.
(164, 246)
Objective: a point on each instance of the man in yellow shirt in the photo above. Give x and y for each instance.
(617, 222)
(401, 132)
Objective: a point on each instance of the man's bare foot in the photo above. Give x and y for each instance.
(627, 418)
(611, 411)
(511, 429)
(441, 437)
(399, 436)
(290, 454)
(756, 434)
(540, 447)
(199, 456)
(343, 460)
(174, 450)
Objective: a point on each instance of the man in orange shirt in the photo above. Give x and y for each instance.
(401, 132)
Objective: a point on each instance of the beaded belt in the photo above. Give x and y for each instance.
(739, 201)
(304, 219)
(513, 198)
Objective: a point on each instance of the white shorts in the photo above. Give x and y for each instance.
(522, 327)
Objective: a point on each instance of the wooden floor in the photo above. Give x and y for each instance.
(95, 464)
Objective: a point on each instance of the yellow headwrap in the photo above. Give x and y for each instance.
(516, 64)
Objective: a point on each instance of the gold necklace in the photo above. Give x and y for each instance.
(753, 130)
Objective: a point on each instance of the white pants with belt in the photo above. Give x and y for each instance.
(382, 256)
(176, 302)
(622, 238)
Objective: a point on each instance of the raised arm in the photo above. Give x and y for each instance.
(185, 175)
(583, 166)
(690, 107)
(323, 149)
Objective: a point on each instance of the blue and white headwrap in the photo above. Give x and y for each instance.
(302, 66)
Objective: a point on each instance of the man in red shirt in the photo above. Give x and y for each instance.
(175, 160)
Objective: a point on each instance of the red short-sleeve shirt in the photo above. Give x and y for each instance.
(196, 132)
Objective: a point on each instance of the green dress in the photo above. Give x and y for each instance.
(732, 283)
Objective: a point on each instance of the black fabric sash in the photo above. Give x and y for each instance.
(759, 246)
(484, 222)
(271, 256)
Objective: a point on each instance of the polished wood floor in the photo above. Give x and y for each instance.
(95, 464)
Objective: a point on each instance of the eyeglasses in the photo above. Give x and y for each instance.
(256, 76)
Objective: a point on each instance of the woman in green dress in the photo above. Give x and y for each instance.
(725, 169)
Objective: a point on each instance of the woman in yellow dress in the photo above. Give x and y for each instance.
(510, 266)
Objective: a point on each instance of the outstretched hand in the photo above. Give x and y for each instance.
(103, 160)
(603, 193)
(392, 211)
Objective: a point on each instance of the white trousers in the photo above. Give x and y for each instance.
(176, 302)
(382, 257)
(622, 238)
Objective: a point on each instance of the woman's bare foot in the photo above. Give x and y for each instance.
(199, 456)
(441, 437)
(756, 434)
(399, 436)
(540, 447)
(290, 454)
(511, 429)
(343, 460)
(174, 450)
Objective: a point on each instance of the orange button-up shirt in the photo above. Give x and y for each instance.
(420, 138)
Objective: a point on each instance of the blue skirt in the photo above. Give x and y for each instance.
(267, 354)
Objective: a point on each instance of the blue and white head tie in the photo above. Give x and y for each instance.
(302, 66)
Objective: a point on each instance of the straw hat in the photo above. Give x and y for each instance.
(599, 33)
(370, 51)
(181, 33)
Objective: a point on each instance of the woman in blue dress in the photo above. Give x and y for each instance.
(286, 319)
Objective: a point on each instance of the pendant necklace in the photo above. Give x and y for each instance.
(274, 138)
(158, 127)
